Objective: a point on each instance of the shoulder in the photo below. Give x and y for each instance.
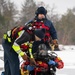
(24, 34)
(30, 21)
(48, 22)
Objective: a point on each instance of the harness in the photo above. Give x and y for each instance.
(37, 25)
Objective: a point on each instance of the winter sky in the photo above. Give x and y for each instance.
(60, 5)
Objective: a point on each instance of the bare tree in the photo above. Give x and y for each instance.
(7, 13)
(66, 27)
(28, 11)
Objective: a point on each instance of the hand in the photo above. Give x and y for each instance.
(55, 43)
(32, 61)
(30, 67)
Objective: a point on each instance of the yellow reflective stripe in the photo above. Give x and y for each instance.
(5, 36)
(19, 33)
(31, 56)
(17, 50)
(30, 52)
(30, 45)
(9, 39)
(21, 53)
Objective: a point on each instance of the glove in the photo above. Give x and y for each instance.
(60, 63)
(51, 62)
(55, 43)
(30, 68)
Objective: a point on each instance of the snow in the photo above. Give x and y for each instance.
(68, 58)
(67, 54)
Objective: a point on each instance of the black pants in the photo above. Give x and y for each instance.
(11, 60)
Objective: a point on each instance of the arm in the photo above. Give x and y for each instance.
(53, 32)
(23, 37)
(54, 36)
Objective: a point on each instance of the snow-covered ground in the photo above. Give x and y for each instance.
(67, 54)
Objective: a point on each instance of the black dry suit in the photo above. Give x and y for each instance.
(12, 40)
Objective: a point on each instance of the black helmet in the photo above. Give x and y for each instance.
(40, 33)
(41, 10)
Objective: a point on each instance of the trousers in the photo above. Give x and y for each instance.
(11, 60)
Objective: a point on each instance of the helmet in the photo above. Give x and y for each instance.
(40, 33)
(41, 10)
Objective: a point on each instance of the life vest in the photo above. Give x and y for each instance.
(13, 33)
(37, 25)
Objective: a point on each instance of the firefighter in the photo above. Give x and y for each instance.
(12, 41)
(41, 21)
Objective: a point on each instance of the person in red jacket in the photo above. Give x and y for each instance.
(41, 21)
(12, 41)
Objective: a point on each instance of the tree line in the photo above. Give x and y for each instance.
(10, 17)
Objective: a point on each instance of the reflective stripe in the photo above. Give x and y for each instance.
(30, 52)
(30, 45)
(7, 36)
(17, 50)
(9, 39)
(31, 56)
(4, 36)
(19, 33)
(21, 53)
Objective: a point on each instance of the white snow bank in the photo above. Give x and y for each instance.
(62, 47)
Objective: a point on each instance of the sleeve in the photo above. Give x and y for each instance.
(23, 37)
(53, 31)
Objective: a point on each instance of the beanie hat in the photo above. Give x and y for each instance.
(40, 33)
(41, 10)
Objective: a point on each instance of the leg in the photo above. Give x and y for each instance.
(11, 60)
(6, 65)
